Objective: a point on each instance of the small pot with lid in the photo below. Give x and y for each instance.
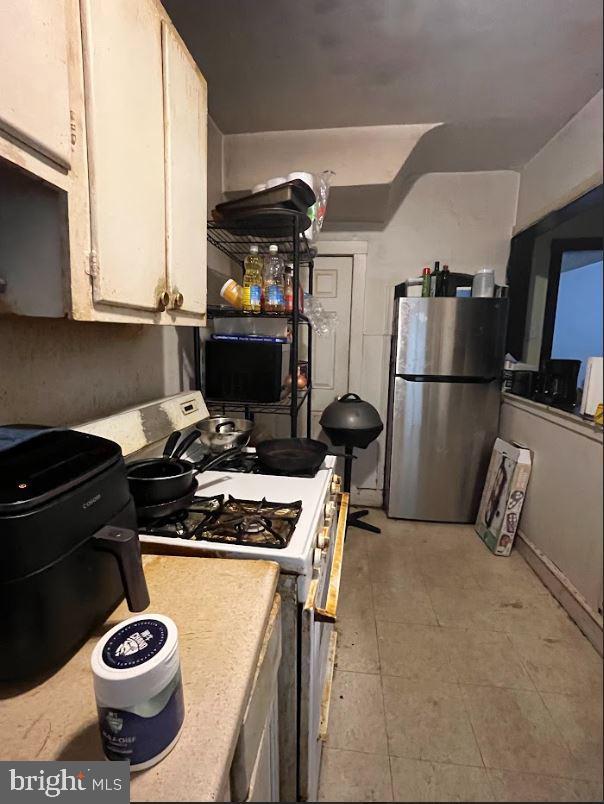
(350, 421)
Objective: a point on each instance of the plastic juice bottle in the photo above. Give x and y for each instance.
(273, 282)
(252, 282)
(288, 289)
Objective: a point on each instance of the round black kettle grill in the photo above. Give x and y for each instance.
(351, 422)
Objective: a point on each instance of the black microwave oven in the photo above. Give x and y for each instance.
(245, 371)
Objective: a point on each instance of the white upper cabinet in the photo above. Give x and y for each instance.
(185, 110)
(102, 100)
(125, 131)
(34, 76)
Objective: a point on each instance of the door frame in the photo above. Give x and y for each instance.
(357, 250)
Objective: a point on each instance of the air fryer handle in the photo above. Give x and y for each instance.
(124, 545)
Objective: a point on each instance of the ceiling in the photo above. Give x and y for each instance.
(302, 64)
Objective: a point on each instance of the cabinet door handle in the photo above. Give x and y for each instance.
(163, 301)
(178, 300)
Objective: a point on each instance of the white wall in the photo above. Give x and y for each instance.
(57, 371)
(562, 514)
(565, 168)
(215, 164)
(219, 264)
(463, 219)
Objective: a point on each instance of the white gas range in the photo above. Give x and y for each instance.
(310, 564)
(304, 548)
(156, 420)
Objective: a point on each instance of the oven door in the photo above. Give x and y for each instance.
(318, 652)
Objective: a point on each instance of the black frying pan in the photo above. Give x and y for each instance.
(292, 456)
(146, 512)
(158, 481)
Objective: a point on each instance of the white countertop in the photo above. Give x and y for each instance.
(563, 418)
(221, 609)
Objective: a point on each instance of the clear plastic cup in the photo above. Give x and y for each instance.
(483, 284)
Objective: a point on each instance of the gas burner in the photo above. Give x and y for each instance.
(258, 523)
(254, 522)
(252, 525)
(185, 523)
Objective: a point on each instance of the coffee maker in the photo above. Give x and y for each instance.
(557, 384)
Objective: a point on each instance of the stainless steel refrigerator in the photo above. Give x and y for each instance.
(443, 405)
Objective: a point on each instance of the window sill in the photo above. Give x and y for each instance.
(570, 421)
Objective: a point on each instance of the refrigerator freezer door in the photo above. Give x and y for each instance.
(449, 337)
(440, 439)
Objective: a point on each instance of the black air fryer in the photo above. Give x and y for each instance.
(68, 541)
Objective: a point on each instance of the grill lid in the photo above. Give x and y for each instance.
(350, 412)
(351, 422)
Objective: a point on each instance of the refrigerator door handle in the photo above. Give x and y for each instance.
(444, 378)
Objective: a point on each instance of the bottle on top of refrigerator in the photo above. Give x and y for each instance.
(442, 281)
(273, 282)
(426, 282)
(288, 288)
(252, 282)
(435, 279)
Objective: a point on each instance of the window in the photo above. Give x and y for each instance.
(577, 330)
(555, 285)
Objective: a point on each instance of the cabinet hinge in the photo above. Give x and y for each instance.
(93, 272)
(93, 264)
(73, 129)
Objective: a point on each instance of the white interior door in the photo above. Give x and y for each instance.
(330, 354)
(185, 99)
(125, 124)
(34, 78)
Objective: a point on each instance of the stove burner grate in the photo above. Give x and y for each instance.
(257, 523)
(185, 523)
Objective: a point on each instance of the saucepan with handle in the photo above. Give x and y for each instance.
(157, 481)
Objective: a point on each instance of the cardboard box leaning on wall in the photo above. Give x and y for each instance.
(503, 496)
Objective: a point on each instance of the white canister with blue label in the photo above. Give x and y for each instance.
(138, 689)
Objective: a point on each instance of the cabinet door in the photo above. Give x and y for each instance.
(34, 78)
(264, 784)
(185, 109)
(125, 130)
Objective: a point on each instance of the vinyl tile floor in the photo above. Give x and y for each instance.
(458, 677)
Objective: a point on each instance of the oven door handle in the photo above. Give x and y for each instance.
(328, 614)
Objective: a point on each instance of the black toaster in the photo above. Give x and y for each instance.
(69, 549)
